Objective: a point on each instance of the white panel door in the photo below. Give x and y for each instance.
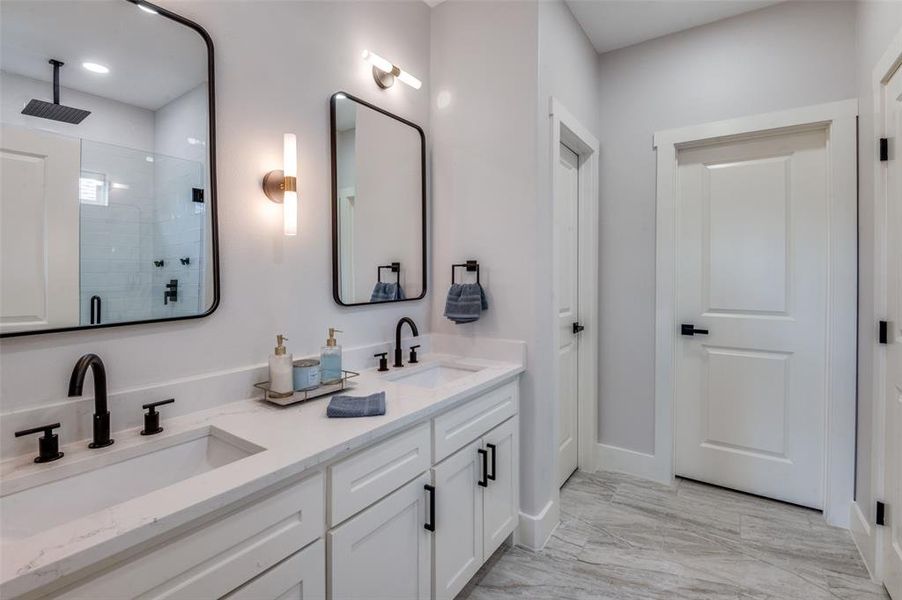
(566, 221)
(458, 521)
(892, 538)
(384, 553)
(752, 271)
(39, 226)
(500, 496)
(301, 576)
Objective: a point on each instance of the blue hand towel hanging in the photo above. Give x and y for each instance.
(465, 302)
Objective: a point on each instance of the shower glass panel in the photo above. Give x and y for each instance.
(141, 227)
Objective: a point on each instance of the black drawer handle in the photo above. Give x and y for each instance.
(492, 476)
(483, 481)
(430, 526)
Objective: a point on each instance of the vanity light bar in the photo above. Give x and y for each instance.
(282, 186)
(384, 72)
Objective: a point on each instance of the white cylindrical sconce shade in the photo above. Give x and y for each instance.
(290, 171)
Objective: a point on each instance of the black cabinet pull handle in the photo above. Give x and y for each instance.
(430, 526)
(492, 476)
(689, 329)
(577, 327)
(483, 481)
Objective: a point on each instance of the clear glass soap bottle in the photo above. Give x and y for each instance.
(330, 359)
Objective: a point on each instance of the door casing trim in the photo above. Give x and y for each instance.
(840, 121)
(568, 130)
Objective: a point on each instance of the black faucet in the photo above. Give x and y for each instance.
(413, 330)
(101, 413)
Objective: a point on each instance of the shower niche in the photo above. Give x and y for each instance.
(108, 193)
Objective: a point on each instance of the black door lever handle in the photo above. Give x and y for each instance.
(689, 329)
(577, 328)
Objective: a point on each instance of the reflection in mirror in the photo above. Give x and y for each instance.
(107, 205)
(379, 204)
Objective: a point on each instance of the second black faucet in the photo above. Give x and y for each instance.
(413, 329)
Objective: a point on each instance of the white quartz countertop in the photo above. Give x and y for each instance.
(295, 439)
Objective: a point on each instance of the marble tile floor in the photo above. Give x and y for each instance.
(622, 538)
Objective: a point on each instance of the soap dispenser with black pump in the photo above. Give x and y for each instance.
(330, 359)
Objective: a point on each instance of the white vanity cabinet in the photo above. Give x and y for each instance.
(385, 551)
(411, 516)
(476, 506)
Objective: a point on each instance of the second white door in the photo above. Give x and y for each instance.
(752, 266)
(566, 217)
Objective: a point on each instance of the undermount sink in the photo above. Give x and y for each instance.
(34, 504)
(435, 376)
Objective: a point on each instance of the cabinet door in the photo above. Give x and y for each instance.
(458, 520)
(385, 551)
(500, 498)
(301, 576)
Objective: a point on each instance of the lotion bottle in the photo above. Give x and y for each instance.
(330, 359)
(281, 379)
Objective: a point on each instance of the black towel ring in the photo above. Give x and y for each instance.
(471, 266)
(395, 267)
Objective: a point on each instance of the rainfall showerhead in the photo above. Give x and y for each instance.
(54, 110)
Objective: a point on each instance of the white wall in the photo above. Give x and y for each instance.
(110, 121)
(484, 161)
(788, 55)
(266, 84)
(877, 23)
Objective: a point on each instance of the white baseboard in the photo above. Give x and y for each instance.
(534, 531)
(865, 536)
(639, 464)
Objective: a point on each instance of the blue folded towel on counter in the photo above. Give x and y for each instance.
(386, 292)
(360, 406)
(465, 302)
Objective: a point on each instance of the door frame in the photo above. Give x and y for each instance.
(840, 121)
(568, 130)
(868, 537)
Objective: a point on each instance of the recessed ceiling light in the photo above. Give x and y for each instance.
(148, 9)
(95, 68)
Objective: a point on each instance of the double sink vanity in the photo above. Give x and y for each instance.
(252, 500)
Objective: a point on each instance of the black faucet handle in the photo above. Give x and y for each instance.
(48, 444)
(383, 360)
(152, 417)
(413, 354)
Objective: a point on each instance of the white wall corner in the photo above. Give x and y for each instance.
(637, 464)
(535, 530)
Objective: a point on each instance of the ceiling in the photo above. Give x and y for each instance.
(613, 24)
(152, 59)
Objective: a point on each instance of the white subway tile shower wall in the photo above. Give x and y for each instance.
(150, 216)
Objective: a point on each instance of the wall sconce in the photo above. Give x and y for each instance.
(385, 72)
(282, 186)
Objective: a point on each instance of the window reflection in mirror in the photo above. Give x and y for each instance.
(378, 205)
(106, 206)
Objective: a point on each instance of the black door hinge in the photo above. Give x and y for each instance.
(880, 517)
(884, 149)
(882, 332)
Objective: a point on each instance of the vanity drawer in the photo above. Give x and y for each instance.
(218, 557)
(460, 426)
(376, 471)
(301, 576)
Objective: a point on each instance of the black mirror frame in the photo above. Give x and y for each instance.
(214, 225)
(335, 275)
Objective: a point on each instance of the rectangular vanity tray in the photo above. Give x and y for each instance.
(304, 395)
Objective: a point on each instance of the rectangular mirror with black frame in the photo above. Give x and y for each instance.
(378, 205)
(107, 166)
